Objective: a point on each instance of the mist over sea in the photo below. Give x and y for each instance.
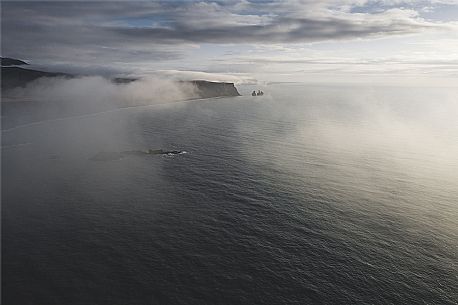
(307, 195)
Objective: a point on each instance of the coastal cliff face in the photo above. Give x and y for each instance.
(13, 76)
(206, 89)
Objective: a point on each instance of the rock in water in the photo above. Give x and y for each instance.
(111, 156)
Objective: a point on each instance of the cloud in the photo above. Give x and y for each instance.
(234, 40)
(286, 29)
(165, 31)
(237, 78)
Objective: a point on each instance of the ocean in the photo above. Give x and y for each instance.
(310, 194)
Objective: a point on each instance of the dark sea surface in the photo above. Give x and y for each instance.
(307, 195)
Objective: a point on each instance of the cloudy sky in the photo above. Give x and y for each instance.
(241, 40)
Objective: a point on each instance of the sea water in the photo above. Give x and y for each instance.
(306, 195)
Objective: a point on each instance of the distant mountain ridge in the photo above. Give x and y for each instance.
(7, 61)
(13, 77)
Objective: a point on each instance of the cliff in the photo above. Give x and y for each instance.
(206, 89)
(12, 77)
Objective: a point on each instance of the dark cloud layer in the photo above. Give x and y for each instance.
(106, 31)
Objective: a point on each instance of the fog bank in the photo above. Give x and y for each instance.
(96, 90)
